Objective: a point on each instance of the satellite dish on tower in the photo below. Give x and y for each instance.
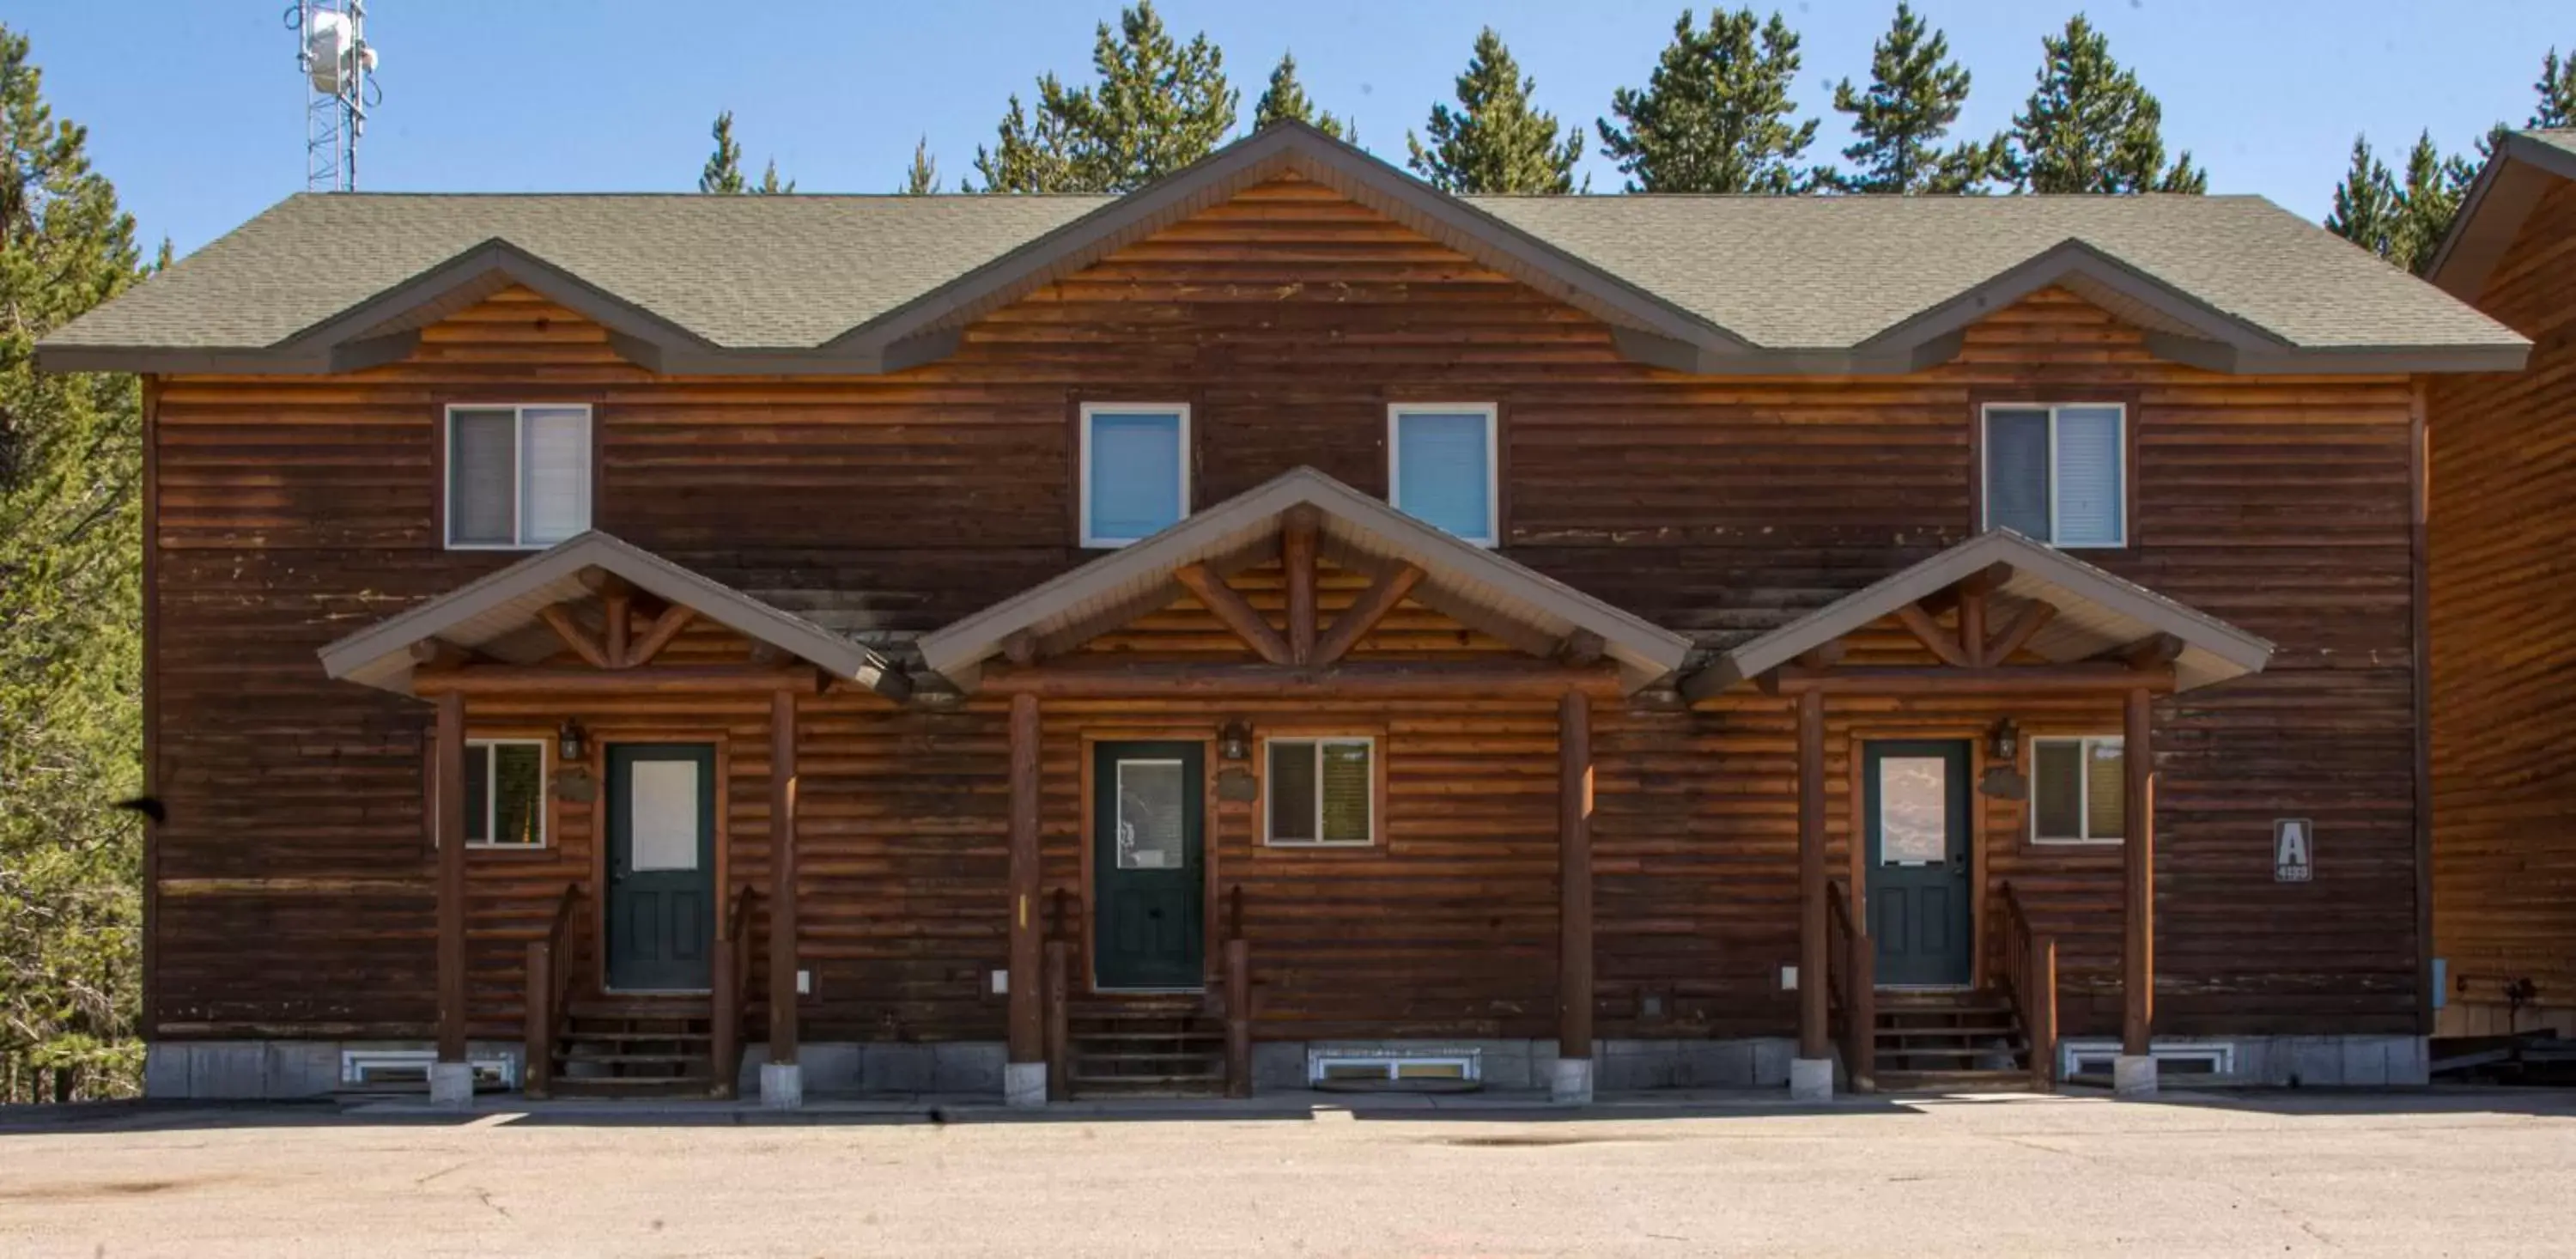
(339, 65)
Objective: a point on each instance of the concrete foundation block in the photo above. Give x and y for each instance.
(2409, 1061)
(300, 1068)
(891, 1067)
(2133, 1076)
(782, 1085)
(165, 1071)
(2316, 1061)
(228, 1070)
(1571, 1082)
(967, 1067)
(1811, 1079)
(451, 1085)
(830, 1067)
(1771, 1059)
(1278, 1064)
(1024, 1084)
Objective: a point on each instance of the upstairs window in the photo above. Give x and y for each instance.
(2078, 791)
(1135, 470)
(1441, 467)
(1322, 792)
(517, 476)
(505, 793)
(2059, 473)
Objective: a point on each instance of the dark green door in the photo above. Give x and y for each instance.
(1148, 901)
(661, 864)
(1916, 800)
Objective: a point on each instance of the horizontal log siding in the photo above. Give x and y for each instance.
(2504, 636)
(296, 510)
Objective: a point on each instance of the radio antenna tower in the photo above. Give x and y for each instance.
(340, 67)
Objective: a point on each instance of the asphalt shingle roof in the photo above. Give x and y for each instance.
(785, 272)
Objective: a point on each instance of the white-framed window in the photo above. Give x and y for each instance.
(1443, 467)
(518, 477)
(2059, 472)
(505, 793)
(1321, 792)
(1390, 1068)
(2079, 790)
(1135, 470)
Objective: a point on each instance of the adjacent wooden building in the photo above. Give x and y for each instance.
(2501, 595)
(1285, 625)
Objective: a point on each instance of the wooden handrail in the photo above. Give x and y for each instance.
(1852, 985)
(2030, 971)
(730, 978)
(550, 970)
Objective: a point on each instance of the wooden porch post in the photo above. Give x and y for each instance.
(1025, 1075)
(1574, 913)
(782, 879)
(447, 804)
(2138, 878)
(1814, 1043)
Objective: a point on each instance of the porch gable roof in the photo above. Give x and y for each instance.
(491, 614)
(2097, 612)
(1478, 586)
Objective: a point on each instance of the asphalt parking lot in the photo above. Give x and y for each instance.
(2481, 1173)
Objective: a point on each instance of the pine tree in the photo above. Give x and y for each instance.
(1716, 113)
(724, 166)
(70, 615)
(1915, 93)
(2403, 222)
(1494, 142)
(1285, 101)
(922, 179)
(2557, 89)
(2091, 127)
(769, 185)
(1159, 105)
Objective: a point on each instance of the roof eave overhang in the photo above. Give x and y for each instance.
(363, 656)
(2503, 195)
(1643, 651)
(2214, 650)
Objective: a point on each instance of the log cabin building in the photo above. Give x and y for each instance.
(1284, 625)
(2500, 601)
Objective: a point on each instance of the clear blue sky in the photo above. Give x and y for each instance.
(196, 111)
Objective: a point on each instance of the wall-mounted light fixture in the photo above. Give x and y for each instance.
(2006, 742)
(1234, 741)
(569, 742)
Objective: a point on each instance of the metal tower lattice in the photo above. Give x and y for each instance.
(339, 73)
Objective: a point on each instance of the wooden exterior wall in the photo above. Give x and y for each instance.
(294, 893)
(2504, 639)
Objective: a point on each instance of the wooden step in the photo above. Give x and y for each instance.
(1997, 1031)
(579, 1054)
(1981, 1081)
(631, 1086)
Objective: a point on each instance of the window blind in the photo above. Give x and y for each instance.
(1349, 789)
(1292, 791)
(2106, 789)
(1135, 482)
(481, 477)
(2057, 789)
(2017, 472)
(1444, 471)
(555, 473)
(2088, 476)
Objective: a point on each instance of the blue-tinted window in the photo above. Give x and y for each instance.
(1443, 470)
(1135, 474)
(2058, 474)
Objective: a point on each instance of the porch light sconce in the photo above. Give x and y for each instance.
(569, 742)
(1234, 741)
(2006, 746)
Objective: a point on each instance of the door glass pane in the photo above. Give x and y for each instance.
(2088, 476)
(2104, 772)
(1135, 474)
(1444, 473)
(1150, 821)
(2017, 472)
(2057, 788)
(555, 473)
(663, 815)
(481, 472)
(1292, 791)
(1913, 809)
(1349, 793)
(518, 793)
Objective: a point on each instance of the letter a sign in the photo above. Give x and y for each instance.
(2293, 850)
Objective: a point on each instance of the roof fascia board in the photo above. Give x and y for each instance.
(2504, 194)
